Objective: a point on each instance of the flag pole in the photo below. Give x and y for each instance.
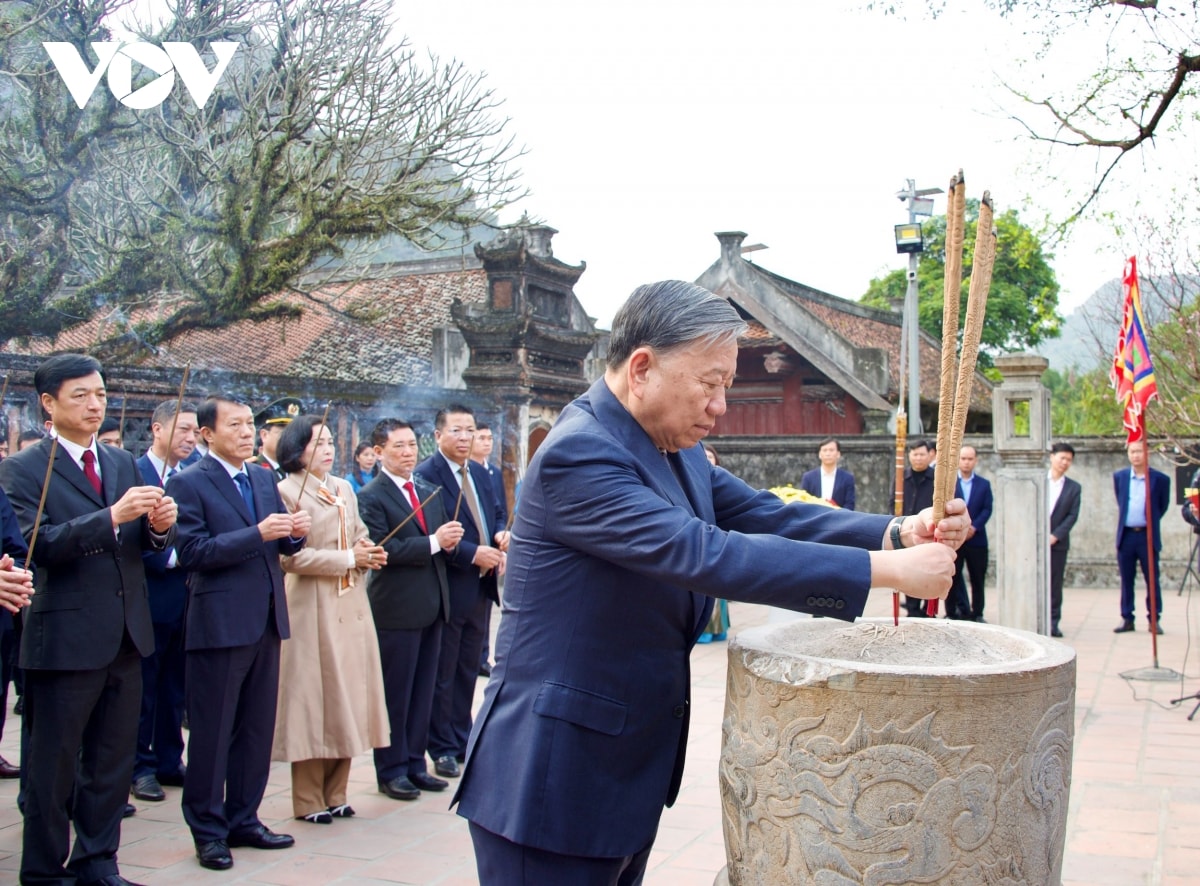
(1153, 592)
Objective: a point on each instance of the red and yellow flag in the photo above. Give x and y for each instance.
(1132, 372)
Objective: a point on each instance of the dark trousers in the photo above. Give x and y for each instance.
(8, 655)
(231, 698)
(1132, 553)
(458, 670)
(1058, 569)
(82, 730)
(160, 726)
(501, 862)
(410, 667)
(974, 562)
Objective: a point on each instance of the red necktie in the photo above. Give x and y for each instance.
(412, 500)
(89, 471)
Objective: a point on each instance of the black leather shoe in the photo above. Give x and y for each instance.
(399, 788)
(1055, 632)
(1124, 627)
(130, 810)
(485, 670)
(19, 707)
(8, 770)
(110, 880)
(1156, 629)
(214, 855)
(446, 766)
(427, 782)
(175, 779)
(261, 837)
(146, 787)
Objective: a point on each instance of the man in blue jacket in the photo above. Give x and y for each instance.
(1129, 484)
(976, 491)
(233, 528)
(624, 536)
(160, 723)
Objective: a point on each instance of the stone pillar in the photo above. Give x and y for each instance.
(873, 754)
(1020, 536)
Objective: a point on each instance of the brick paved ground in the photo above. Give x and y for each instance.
(1134, 815)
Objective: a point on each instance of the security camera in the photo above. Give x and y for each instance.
(912, 276)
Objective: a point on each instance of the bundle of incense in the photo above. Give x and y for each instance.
(950, 436)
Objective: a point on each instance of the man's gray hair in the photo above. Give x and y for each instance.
(670, 314)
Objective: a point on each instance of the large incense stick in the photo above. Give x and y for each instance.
(981, 281)
(37, 520)
(174, 421)
(403, 522)
(304, 482)
(898, 505)
(943, 480)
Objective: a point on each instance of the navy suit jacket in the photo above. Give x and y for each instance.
(91, 586)
(616, 555)
(13, 544)
(411, 592)
(168, 587)
(1160, 500)
(232, 573)
(979, 507)
(843, 486)
(465, 582)
(1064, 515)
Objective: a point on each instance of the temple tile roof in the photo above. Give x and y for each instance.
(867, 327)
(377, 330)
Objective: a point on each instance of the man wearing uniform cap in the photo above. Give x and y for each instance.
(270, 421)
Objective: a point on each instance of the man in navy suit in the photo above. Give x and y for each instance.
(1064, 494)
(1129, 484)
(624, 536)
(481, 454)
(160, 725)
(233, 528)
(829, 481)
(410, 602)
(976, 491)
(16, 586)
(472, 570)
(86, 629)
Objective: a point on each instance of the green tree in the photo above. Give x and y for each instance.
(326, 133)
(1022, 306)
(1137, 86)
(1082, 404)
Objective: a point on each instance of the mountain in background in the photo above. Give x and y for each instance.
(1089, 333)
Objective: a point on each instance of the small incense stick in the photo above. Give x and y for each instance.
(304, 482)
(174, 421)
(37, 520)
(416, 511)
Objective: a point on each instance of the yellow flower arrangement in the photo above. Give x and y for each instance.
(790, 494)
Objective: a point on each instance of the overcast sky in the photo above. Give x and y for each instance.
(650, 125)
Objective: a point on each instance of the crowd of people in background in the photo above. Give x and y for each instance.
(169, 582)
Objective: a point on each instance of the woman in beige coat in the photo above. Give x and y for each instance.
(331, 703)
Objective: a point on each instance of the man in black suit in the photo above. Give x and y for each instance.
(160, 726)
(86, 629)
(410, 601)
(472, 571)
(918, 495)
(1064, 511)
(233, 527)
